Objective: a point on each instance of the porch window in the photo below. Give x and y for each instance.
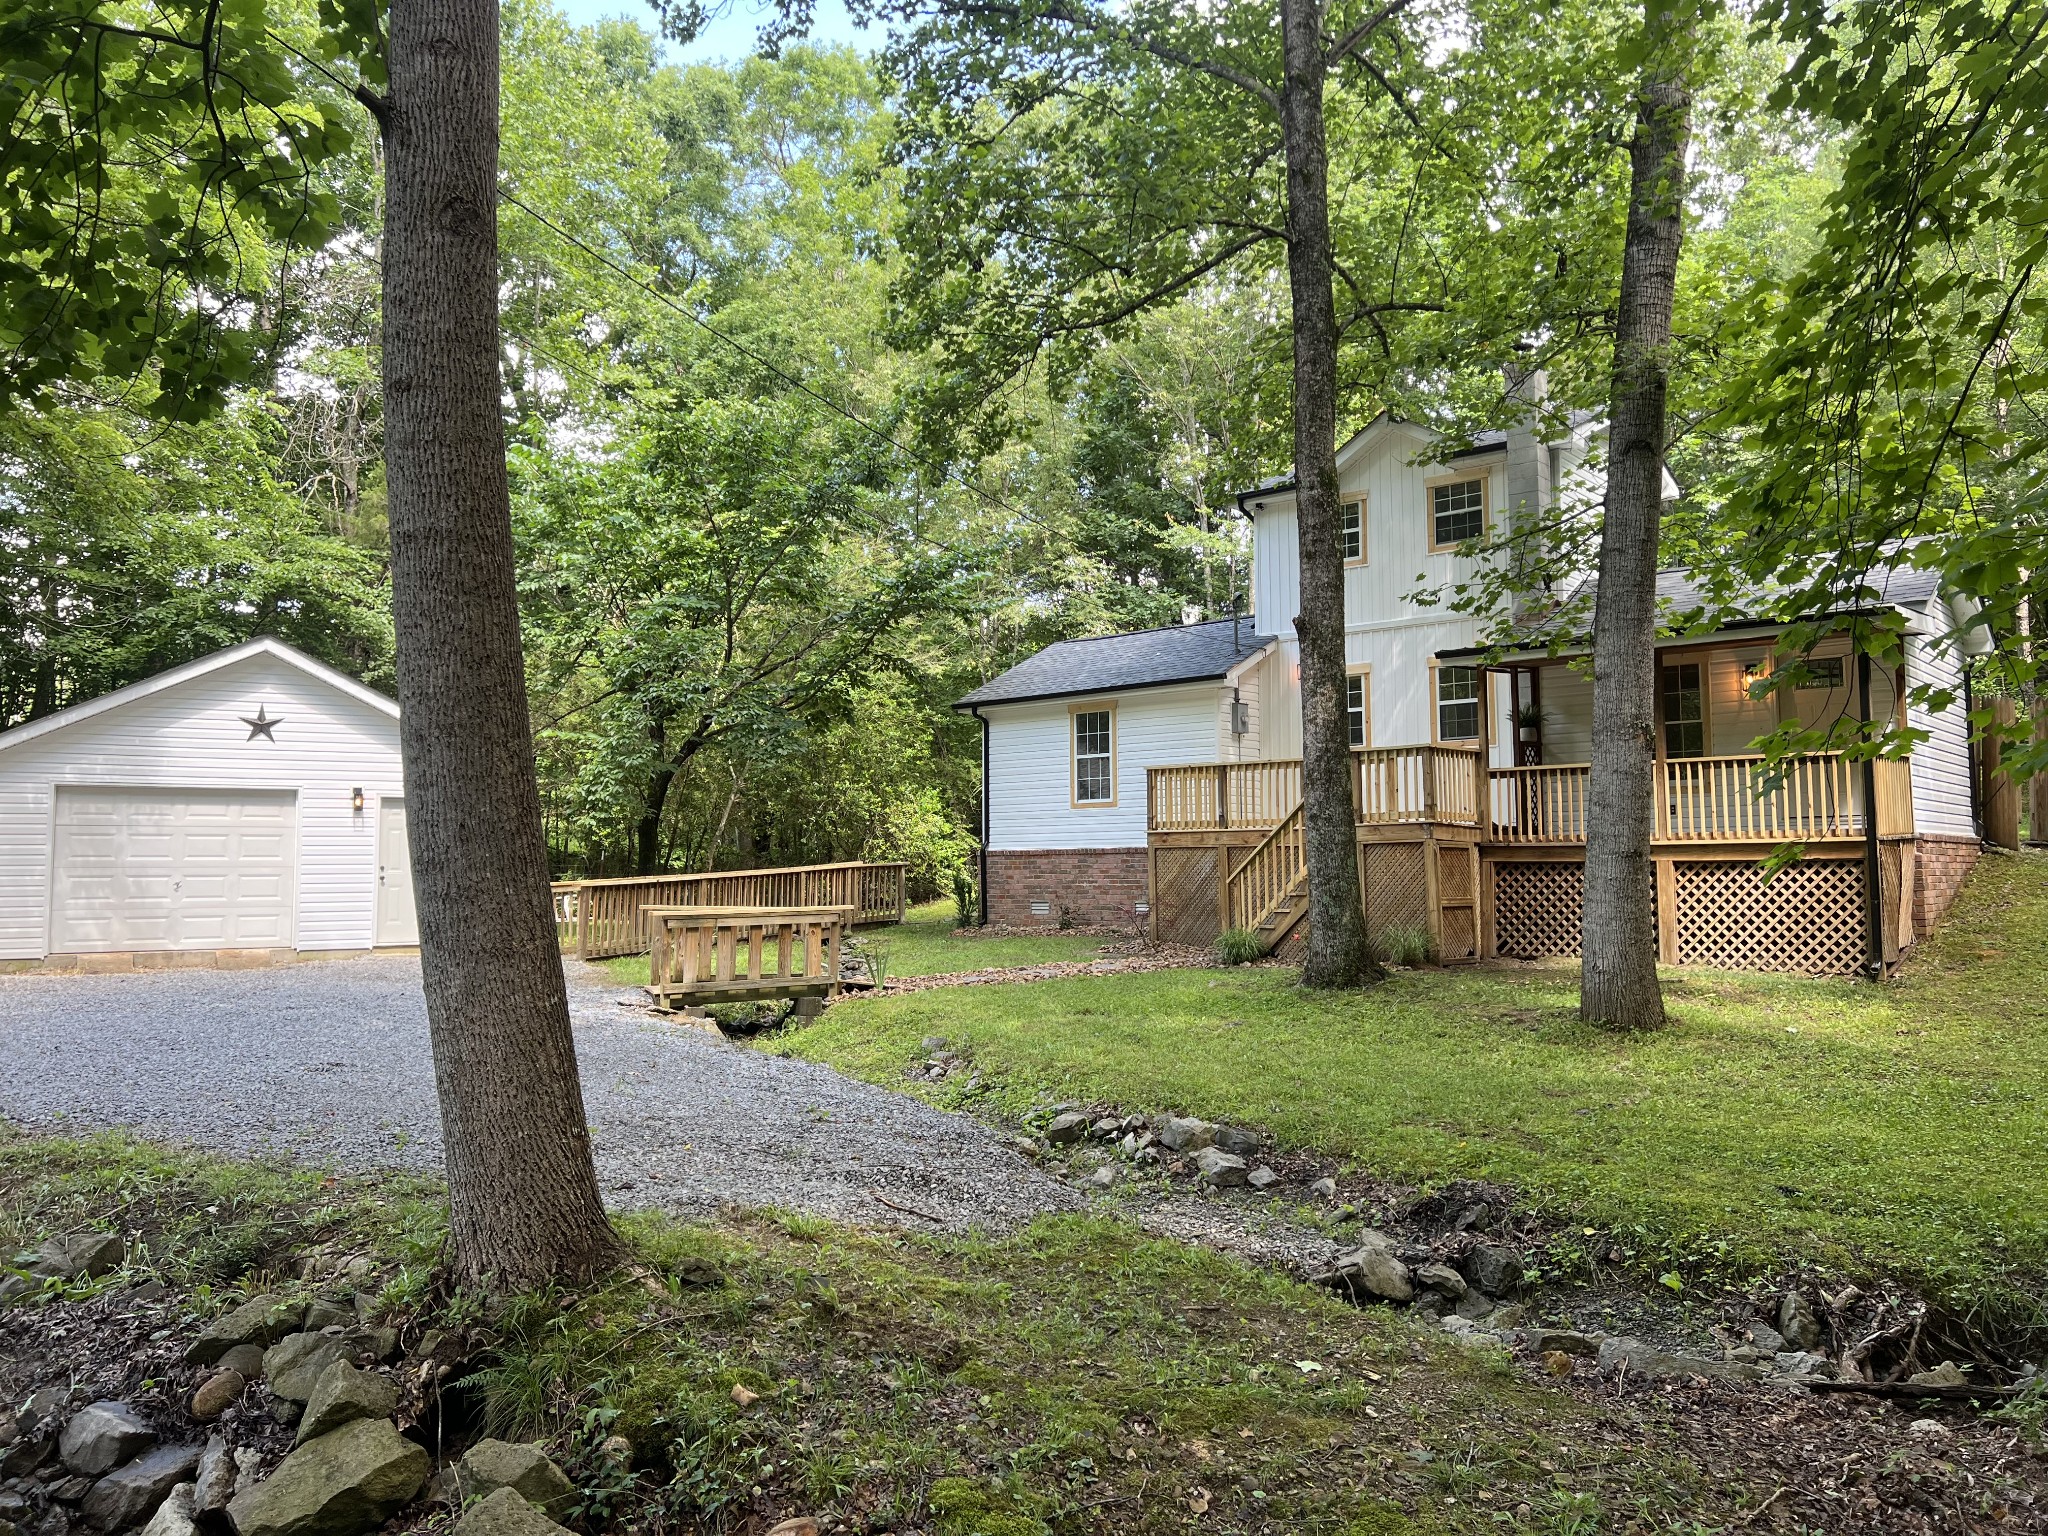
(1356, 707)
(1823, 672)
(1354, 531)
(1457, 703)
(1094, 757)
(1685, 715)
(1457, 512)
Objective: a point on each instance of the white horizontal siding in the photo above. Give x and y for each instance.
(1941, 764)
(1567, 715)
(1030, 786)
(327, 745)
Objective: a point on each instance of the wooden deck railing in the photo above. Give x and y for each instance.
(1390, 784)
(1710, 799)
(709, 954)
(1699, 799)
(1266, 879)
(1202, 797)
(1403, 784)
(596, 919)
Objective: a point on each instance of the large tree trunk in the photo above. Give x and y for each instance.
(1618, 987)
(523, 1197)
(1338, 954)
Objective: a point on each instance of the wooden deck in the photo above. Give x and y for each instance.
(599, 919)
(1491, 862)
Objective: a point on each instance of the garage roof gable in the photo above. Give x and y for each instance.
(263, 645)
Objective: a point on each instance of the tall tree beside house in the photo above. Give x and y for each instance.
(524, 1206)
(1618, 986)
(1896, 386)
(113, 273)
(1071, 166)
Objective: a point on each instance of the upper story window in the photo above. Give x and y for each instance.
(1457, 511)
(1457, 703)
(1358, 708)
(1685, 710)
(1094, 757)
(1354, 532)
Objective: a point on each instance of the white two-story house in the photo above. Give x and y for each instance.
(1151, 780)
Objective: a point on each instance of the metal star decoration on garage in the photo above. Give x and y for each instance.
(262, 725)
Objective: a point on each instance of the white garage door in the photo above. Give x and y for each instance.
(172, 869)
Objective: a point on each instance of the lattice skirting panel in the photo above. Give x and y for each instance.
(1184, 893)
(1396, 887)
(1536, 909)
(1809, 919)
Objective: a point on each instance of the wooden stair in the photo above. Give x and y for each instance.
(1269, 890)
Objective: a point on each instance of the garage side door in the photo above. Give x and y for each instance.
(172, 869)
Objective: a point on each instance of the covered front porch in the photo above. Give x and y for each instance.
(1489, 860)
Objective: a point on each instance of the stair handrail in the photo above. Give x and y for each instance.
(1272, 874)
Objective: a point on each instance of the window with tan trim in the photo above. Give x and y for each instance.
(1456, 702)
(1094, 744)
(1352, 523)
(1358, 705)
(1459, 510)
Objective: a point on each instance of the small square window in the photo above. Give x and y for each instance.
(1823, 672)
(1354, 707)
(1457, 703)
(1094, 775)
(1457, 511)
(1354, 530)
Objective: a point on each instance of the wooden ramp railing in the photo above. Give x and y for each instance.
(704, 954)
(597, 919)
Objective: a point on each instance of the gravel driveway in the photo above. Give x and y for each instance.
(328, 1063)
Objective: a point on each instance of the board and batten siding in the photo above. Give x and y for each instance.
(190, 735)
(1031, 764)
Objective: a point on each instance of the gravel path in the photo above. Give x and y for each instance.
(328, 1063)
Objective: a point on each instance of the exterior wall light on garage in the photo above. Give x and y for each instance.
(355, 800)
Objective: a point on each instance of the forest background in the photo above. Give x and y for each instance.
(771, 522)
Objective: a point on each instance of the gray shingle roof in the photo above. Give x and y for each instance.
(1149, 658)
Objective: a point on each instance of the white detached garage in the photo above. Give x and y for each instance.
(244, 805)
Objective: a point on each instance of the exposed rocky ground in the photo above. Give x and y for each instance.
(310, 1408)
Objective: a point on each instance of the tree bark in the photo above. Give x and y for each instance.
(523, 1197)
(1618, 986)
(1338, 952)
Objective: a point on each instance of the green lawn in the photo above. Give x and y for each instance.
(1900, 1128)
(923, 944)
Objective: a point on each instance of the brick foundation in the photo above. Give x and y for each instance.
(1939, 865)
(1095, 887)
